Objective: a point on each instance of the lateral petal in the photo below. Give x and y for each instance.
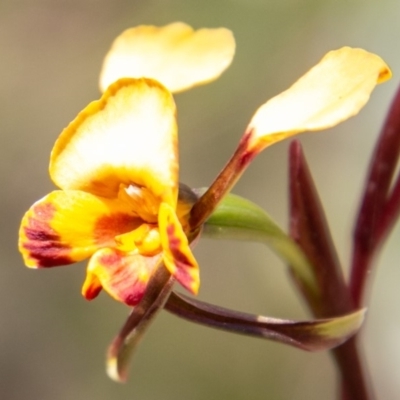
(177, 255)
(68, 226)
(123, 276)
(329, 93)
(129, 136)
(175, 55)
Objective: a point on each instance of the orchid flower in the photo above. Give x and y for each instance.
(120, 202)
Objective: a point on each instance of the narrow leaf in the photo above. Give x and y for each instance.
(306, 335)
(309, 228)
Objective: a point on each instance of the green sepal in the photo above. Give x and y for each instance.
(240, 219)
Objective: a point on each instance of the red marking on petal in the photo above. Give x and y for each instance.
(174, 244)
(132, 298)
(186, 272)
(124, 276)
(45, 210)
(91, 287)
(92, 292)
(48, 254)
(112, 260)
(43, 244)
(123, 280)
(113, 225)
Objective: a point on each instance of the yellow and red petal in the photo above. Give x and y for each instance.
(177, 255)
(123, 276)
(127, 137)
(92, 286)
(68, 226)
(329, 93)
(175, 55)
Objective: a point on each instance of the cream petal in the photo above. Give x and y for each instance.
(329, 93)
(175, 55)
(127, 137)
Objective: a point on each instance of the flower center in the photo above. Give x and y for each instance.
(144, 203)
(144, 240)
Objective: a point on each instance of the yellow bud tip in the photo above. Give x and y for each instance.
(112, 370)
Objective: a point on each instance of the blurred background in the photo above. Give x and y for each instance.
(52, 342)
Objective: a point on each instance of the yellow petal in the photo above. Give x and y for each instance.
(175, 55)
(178, 257)
(329, 93)
(129, 136)
(66, 227)
(146, 239)
(122, 275)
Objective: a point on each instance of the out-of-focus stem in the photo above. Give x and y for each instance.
(391, 213)
(308, 226)
(377, 213)
(353, 371)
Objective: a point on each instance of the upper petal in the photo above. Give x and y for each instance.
(129, 136)
(329, 93)
(175, 55)
(66, 227)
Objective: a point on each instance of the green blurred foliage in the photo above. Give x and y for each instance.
(52, 342)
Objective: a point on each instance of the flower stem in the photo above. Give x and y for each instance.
(354, 376)
(224, 182)
(121, 348)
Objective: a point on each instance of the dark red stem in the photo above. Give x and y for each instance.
(377, 211)
(308, 226)
(207, 203)
(391, 213)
